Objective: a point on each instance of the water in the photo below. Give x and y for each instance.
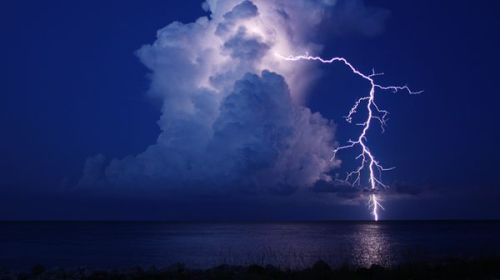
(288, 245)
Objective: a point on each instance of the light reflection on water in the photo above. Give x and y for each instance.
(205, 245)
(371, 246)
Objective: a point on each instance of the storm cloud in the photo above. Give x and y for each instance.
(232, 113)
(232, 117)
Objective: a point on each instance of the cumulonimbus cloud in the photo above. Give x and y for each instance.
(232, 116)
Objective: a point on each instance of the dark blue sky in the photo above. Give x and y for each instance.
(71, 87)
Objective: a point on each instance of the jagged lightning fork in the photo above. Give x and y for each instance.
(368, 160)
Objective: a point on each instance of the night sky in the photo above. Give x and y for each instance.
(73, 86)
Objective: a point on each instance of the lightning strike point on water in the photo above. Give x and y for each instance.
(368, 160)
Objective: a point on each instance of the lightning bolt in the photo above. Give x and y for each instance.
(368, 160)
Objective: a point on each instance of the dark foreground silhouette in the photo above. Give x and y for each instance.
(450, 269)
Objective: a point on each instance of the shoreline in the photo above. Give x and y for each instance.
(483, 268)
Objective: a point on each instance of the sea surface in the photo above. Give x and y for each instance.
(201, 245)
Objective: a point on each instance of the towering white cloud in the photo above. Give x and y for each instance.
(232, 116)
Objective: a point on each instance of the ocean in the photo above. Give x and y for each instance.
(109, 245)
